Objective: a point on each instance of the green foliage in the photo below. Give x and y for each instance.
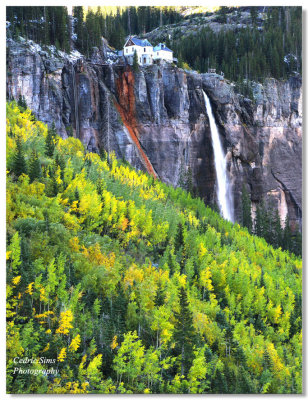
(133, 286)
(184, 333)
(50, 141)
(135, 62)
(270, 47)
(34, 169)
(19, 165)
(22, 103)
(250, 53)
(268, 225)
(246, 210)
(44, 25)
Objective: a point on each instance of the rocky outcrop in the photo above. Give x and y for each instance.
(156, 119)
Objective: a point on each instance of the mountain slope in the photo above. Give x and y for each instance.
(127, 285)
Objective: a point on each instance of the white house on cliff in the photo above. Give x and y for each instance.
(146, 53)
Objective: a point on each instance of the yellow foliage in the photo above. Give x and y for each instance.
(70, 146)
(46, 348)
(133, 274)
(201, 251)
(94, 255)
(62, 355)
(74, 244)
(277, 364)
(181, 279)
(94, 365)
(42, 294)
(16, 280)
(65, 325)
(30, 288)
(71, 221)
(44, 315)
(206, 279)
(277, 313)
(75, 343)
(114, 343)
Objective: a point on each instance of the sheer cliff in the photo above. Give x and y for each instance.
(156, 119)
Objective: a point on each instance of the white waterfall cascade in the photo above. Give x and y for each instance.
(224, 195)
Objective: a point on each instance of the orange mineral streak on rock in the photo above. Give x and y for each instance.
(126, 109)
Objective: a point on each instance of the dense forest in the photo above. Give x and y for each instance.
(270, 45)
(127, 285)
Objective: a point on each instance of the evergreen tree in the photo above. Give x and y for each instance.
(184, 333)
(179, 237)
(159, 296)
(61, 163)
(22, 103)
(276, 231)
(49, 142)
(34, 167)
(135, 62)
(246, 209)
(189, 182)
(19, 165)
(79, 27)
(253, 14)
(260, 222)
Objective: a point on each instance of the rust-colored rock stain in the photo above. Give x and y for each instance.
(126, 109)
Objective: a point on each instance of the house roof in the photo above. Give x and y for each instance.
(161, 46)
(140, 42)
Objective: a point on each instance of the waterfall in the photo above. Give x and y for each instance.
(75, 102)
(224, 194)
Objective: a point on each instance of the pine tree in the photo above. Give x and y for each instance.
(22, 103)
(79, 27)
(189, 182)
(159, 296)
(246, 209)
(179, 237)
(34, 167)
(184, 333)
(61, 163)
(19, 165)
(49, 142)
(135, 62)
(253, 14)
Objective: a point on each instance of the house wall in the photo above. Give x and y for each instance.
(146, 52)
(142, 52)
(163, 55)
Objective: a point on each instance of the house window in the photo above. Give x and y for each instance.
(158, 53)
(132, 49)
(145, 49)
(126, 50)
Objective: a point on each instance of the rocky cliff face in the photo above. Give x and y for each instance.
(156, 120)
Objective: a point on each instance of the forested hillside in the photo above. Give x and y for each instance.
(133, 286)
(245, 43)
